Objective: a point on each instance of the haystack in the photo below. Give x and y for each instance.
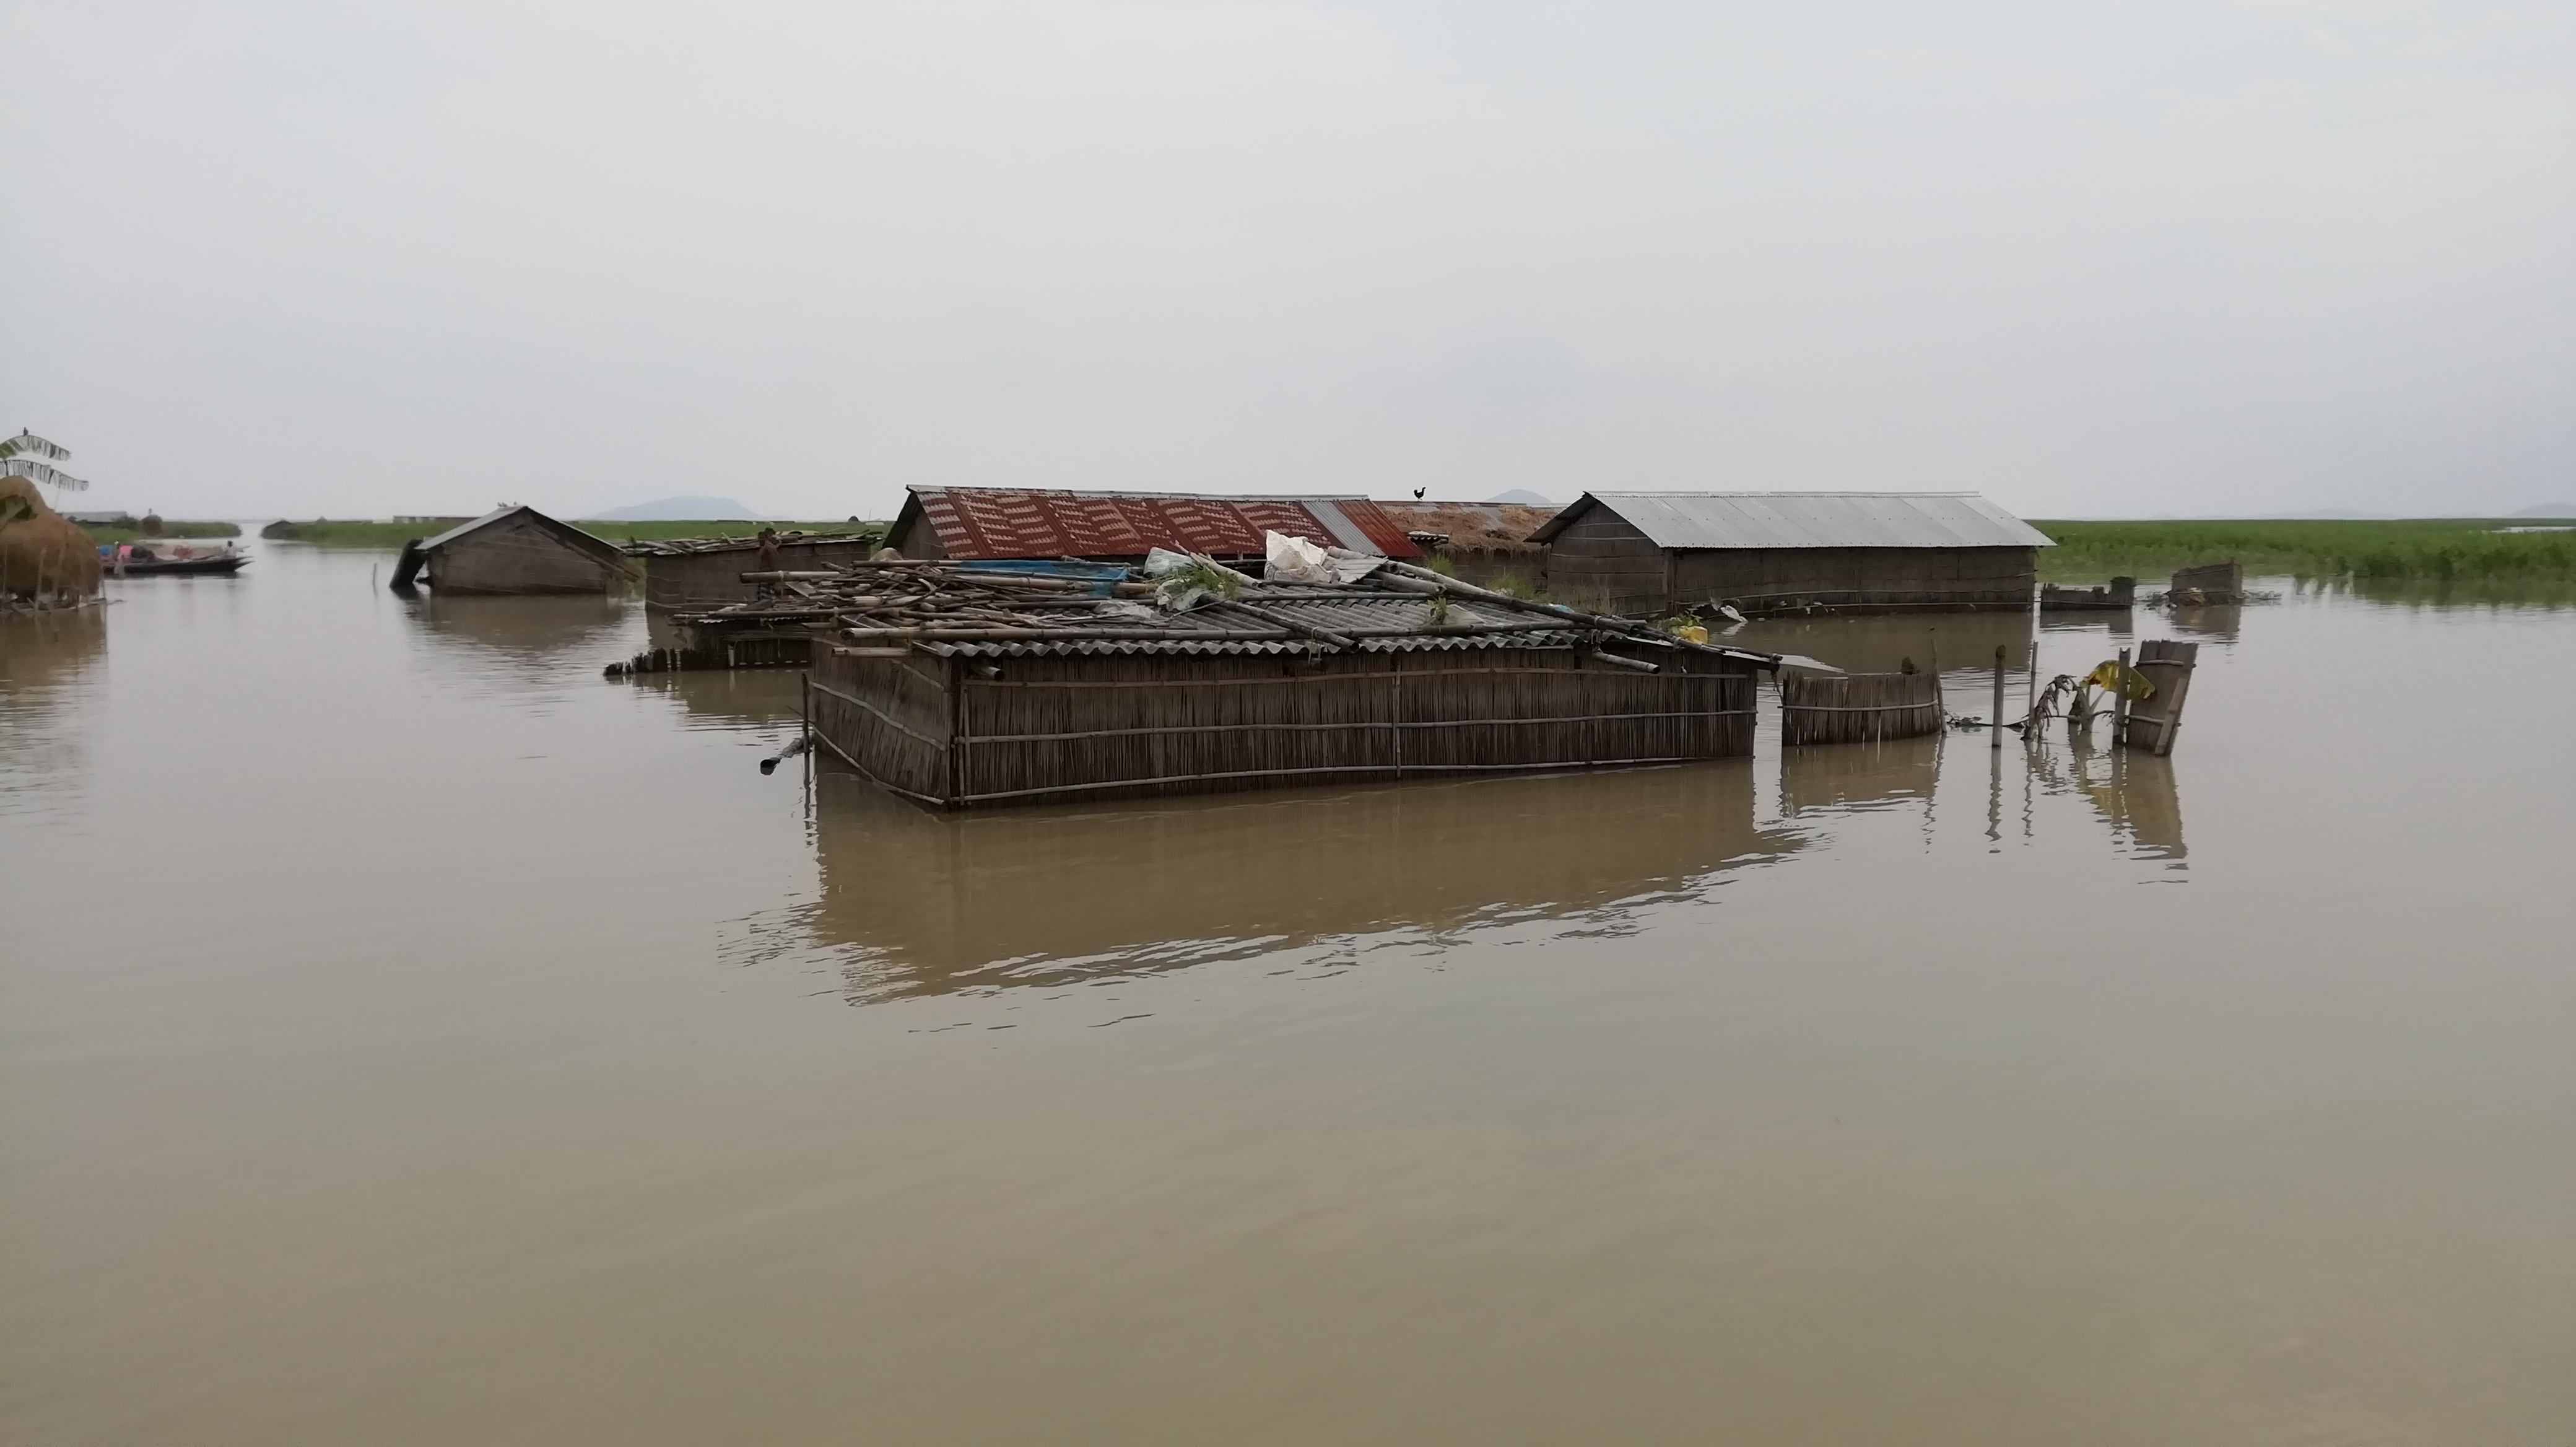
(43, 557)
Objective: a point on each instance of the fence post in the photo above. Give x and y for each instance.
(1999, 696)
(2120, 704)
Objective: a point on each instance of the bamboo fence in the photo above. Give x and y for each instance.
(1854, 708)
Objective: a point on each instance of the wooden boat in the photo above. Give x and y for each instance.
(181, 562)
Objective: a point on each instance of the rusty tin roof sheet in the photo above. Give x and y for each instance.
(995, 522)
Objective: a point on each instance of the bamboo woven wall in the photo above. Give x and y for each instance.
(1052, 727)
(1851, 708)
(887, 712)
(1857, 578)
(1605, 560)
(689, 580)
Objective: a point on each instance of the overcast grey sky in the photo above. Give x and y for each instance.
(2093, 259)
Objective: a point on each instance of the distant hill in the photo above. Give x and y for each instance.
(2549, 510)
(679, 509)
(1521, 497)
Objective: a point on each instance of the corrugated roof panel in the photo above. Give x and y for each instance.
(1814, 520)
(1422, 643)
(461, 529)
(992, 522)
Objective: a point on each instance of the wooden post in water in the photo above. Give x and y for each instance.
(1999, 696)
(2120, 704)
(2030, 692)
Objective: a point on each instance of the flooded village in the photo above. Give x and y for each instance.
(1335, 934)
(1306, 725)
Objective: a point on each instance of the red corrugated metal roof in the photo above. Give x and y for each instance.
(994, 522)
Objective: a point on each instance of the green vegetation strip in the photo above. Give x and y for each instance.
(329, 534)
(2447, 549)
(106, 534)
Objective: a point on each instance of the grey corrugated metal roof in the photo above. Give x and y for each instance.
(461, 529)
(1418, 643)
(564, 530)
(1811, 520)
(1368, 618)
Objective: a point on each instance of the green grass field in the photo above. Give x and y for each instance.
(329, 534)
(2424, 549)
(168, 530)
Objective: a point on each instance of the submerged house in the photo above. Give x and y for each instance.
(706, 572)
(1065, 688)
(986, 523)
(512, 550)
(1779, 552)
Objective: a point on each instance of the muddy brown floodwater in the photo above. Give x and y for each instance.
(408, 1037)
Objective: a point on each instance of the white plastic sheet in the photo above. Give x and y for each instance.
(1294, 560)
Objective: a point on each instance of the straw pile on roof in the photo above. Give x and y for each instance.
(1493, 529)
(43, 556)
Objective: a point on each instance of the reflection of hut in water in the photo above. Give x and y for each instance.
(42, 658)
(1877, 643)
(2116, 624)
(2219, 622)
(750, 698)
(950, 902)
(2134, 791)
(1852, 778)
(541, 634)
(44, 651)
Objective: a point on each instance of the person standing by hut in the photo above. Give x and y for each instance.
(768, 563)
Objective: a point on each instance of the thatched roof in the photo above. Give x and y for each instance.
(1497, 528)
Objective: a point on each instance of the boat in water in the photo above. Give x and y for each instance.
(141, 560)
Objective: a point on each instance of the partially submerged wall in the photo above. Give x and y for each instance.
(1777, 579)
(1848, 708)
(713, 578)
(518, 555)
(972, 731)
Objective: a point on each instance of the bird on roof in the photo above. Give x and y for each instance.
(1418, 492)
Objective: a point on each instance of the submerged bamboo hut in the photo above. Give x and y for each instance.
(512, 550)
(1791, 552)
(962, 685)
(706, 572)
